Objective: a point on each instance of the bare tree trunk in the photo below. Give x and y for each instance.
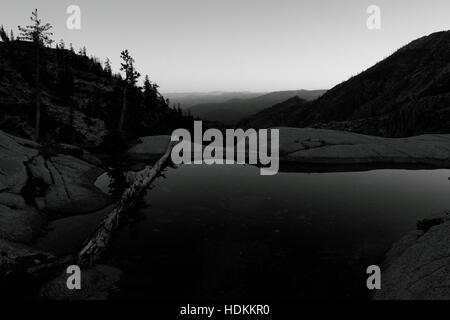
(39, 264)
(124, 109)
(37, 127)
(101, 238)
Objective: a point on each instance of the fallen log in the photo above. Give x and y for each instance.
(18, 262)
(99, 241)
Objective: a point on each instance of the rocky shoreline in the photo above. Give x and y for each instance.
(417, 267)
(330, 147)
(39, 185)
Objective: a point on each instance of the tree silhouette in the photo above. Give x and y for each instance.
(131, 77)
(3, 34)
(150, 94)
(147, 84)
(108, 68)
(39, 34)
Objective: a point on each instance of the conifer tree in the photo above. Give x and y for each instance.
(39, 34)
(131, 77)
(149, 94)
(147, 84)
(3, 34)
(108, 68)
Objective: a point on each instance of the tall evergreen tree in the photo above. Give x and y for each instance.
(3, 34)
(131, 77)
(147, 84)
(108, 68)
(40, 35)
(150, 96)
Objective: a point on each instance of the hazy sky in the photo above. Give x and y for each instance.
(229, 45)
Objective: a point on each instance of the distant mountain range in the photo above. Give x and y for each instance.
(406, 94)
(189, 99)
(243, 105)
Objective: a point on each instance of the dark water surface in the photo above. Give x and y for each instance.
(227, 232)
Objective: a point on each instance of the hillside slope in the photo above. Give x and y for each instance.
(406, 94)
(81, 101)
(234, 110)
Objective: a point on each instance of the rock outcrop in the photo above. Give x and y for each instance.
(418, 266)
(70, 185)
(320, 146)
(36, 186)
(332, 147)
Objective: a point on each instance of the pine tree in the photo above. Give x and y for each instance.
(108, 68)
(40, 35)
(11, 36)
(151, 94)
(3, 34)
(131, 77)
(147, 84)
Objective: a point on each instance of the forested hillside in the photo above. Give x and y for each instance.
(83, 101)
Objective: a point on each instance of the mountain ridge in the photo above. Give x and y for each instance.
(232, 111)
(406, 94)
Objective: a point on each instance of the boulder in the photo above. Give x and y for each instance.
(71, 188)
(20, 224)
(418, 266)
(58, 185)
(14, 153)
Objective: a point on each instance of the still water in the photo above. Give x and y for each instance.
(228, 232)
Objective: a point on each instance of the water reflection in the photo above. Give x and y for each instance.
(226, 231)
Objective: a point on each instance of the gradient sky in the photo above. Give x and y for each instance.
(239, 45)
